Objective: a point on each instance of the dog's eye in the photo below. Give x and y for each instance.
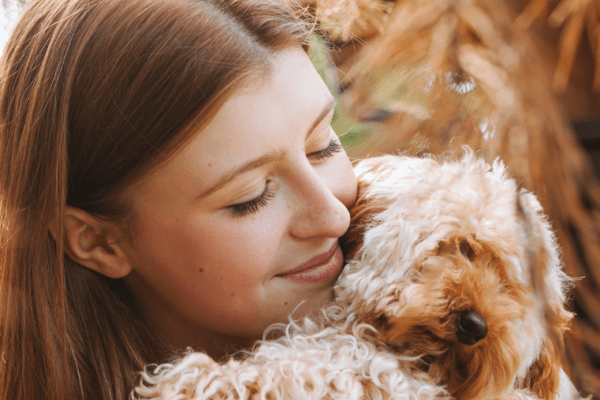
(466, 250)
(381, 321)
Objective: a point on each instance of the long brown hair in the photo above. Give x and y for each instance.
(95, 93)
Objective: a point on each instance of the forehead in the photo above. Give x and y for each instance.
(271, 113)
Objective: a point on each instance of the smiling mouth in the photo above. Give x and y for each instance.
(319, 268)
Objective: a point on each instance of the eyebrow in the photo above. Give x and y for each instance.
(321, 116)
(268, 158)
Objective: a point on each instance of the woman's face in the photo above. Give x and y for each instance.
(240, 229)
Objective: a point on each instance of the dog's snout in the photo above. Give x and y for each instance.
(471, 327)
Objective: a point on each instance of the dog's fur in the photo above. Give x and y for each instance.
(430, 242)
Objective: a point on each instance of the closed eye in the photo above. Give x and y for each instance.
(333, 148)
(254, 205)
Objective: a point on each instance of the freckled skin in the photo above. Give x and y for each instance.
(204, 277)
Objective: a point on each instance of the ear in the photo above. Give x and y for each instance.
(543, 375)
(95, 244)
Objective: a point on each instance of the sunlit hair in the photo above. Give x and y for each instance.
(93, 95)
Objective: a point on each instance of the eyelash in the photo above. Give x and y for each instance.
(252, 206)
(334, 147)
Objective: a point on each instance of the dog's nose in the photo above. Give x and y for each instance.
(471, 327)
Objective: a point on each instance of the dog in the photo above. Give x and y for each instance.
(438, 300)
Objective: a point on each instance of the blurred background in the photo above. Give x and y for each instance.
(517, 80)
(9, 13)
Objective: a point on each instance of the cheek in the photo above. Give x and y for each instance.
(214, 270)
(210, 251)
(243, 248)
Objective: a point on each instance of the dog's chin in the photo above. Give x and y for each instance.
(477, 372)
(483, 371)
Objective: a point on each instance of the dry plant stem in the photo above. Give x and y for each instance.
(572, 16)
(345, 21)
(569, 42)
(596, 36)
(533, 10)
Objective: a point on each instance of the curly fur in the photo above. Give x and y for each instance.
(429, 241)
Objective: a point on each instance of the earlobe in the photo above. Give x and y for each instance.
(94, 244)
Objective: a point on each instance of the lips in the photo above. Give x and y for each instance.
(319, 268)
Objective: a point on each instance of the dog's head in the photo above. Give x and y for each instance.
(440, 258)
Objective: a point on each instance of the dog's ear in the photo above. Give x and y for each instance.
(549, 284)
(543, 375)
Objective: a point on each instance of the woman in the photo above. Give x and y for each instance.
(169, 179)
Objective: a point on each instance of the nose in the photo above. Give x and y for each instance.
(318, 210)
(471, 327)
